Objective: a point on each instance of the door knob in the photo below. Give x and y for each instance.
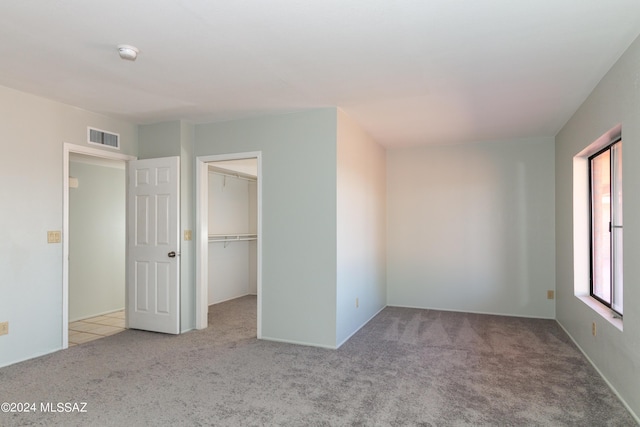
(172, 254)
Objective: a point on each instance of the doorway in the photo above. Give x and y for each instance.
(217, 262)
(97, 247)
(93, 304)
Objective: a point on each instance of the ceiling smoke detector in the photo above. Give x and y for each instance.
(130, 53)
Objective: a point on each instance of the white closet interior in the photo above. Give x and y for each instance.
(233, 208)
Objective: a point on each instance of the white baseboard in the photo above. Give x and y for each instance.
(633, 414)
(308, 344)
(95, 315)
(526, 316)
(35, 356)
(360, 327)
(230, 299)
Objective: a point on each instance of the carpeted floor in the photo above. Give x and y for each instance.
(405, 367)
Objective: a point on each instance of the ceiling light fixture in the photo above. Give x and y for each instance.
(130, 53)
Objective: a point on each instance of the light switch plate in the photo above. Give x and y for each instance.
(4, 328)
(53, 236)
(187, 235)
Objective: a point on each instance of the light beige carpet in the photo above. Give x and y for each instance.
(406, 367)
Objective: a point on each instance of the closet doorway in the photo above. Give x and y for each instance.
(228, 259)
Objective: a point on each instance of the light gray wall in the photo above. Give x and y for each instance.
(298, 217)
(615, 100)
(33, 131)
(160, 140)
(171, 139)
(228, 205)
(361, 228)
(97, 240)
(471, 227)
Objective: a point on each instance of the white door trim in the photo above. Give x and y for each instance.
(202, 234)
(68, 148)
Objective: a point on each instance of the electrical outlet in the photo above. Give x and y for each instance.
(357, 303)
(53, 237)
(4, 328)
(593, 328)
(187, 234)
(550, 294)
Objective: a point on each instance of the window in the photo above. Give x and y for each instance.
(605, 189)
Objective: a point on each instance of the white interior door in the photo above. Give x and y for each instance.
(153, 291)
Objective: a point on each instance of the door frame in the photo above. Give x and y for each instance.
(202, 235)
(67, 149)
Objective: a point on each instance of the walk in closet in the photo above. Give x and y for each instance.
(232, 205)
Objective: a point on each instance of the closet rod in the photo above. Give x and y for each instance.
(234, 175)
(229, 238)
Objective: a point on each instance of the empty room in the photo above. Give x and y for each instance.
(335, 213)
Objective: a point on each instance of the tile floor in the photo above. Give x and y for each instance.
(95, 328)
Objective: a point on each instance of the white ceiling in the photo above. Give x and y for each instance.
(408, 71)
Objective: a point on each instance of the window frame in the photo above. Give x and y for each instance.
(613, 257)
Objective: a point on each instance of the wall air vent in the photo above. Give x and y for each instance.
(104, 138)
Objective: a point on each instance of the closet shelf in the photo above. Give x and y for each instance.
(228, 238)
